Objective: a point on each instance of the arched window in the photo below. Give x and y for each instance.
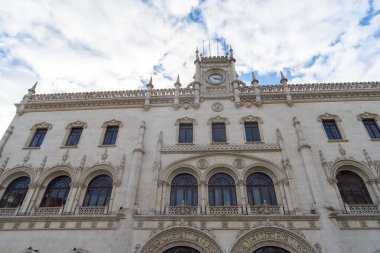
(56, 192)
(15, 193)
(184, 189)
(259, 188)
(221, 190)
(352, 188)
(271, 250)
(181, 249)
(98, 191)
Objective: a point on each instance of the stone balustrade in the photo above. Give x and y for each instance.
(183, 210)
(224, 210)
(265, 210)
(47, 211)
(368, 209)
(90, 210)
(8, 211)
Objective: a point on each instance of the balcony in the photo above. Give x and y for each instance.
(224, 210)
(265, 210)
(92, 210)
(8, 211)
(47, 211)
(183, 210)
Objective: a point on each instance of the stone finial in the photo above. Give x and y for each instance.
(177, 83)
(197, 54)
(231, 53)
(32, 90)
(150, 83)
(283, 78)
(254, 80)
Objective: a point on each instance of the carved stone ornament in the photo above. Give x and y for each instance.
(218, 119)
(272, 236)
(77, 123)
(328, 116)
(41, 125)
(368, 115)
(185, 120)
(202, 164)
(180, 236)
(251, 118)
(239, 163)
(217, 107)
(112, 122)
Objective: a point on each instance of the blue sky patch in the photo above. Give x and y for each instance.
(371, 12)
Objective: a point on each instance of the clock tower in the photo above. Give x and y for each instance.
(216, 75)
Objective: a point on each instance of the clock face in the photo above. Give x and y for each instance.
(215, 78)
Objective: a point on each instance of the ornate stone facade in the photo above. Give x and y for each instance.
(303, 209)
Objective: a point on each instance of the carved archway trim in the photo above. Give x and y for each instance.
(272, 236)
(181, 236)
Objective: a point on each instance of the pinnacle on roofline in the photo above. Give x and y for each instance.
(283, 78)
(254, 80)
(33, 89)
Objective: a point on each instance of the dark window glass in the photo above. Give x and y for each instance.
(259, 188)
(219, 132)
(110, 135)
(56, 192)
(38, 137)
(184, 189)
(352, 188)
(15, 193)
(372, 128)
(331, 129)
(74, 136)
(98, 191)
(221, 190)
(185, 133)
(271, 250)
(181, 249)
(252, 132)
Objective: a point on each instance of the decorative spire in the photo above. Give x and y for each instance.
(33, 89)
(177, 84)
(283, 78)
(197, 54)
(231, 52)
(254, 80)
(150, 83)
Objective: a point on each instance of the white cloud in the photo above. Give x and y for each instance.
(112, 45)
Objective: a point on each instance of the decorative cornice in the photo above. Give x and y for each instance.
(300, 93)
(220, 147)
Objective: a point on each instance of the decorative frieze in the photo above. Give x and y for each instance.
(221, 147)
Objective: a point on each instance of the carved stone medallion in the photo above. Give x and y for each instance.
(217, 107)
(239, 163)
(202, 164)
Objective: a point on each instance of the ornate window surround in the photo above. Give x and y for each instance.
(33, 130)
(76, 124)
(185, 120)
(218, 119)
(106, 124)
(260, 123)
(367, 115)
(338, 122)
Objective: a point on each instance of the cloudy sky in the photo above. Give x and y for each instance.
(92, 45)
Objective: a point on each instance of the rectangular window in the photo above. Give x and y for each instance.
(372, 128)
(185, 133)
(252, 132)
(110, 135)
(331, 129)
(38, 138)
(74, 136)
(219, 132)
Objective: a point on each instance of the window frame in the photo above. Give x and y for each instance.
(217, 120)
(363, 186)
(69, 127)
(175, 187)
(44, 201)
(370, 116)
(338, 124)
(271, 189)
(7, 191)
(232, 190)
(33, 131)
(111, 123)
(252, 119)
(185, 120)
(90, 188)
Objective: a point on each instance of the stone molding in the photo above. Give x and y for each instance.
(221, 147)
(181, 236)
(218, 119)
(272, 236)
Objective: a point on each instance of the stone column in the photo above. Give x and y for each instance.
(36, 190)
(77, 195)
(147, 95)
(241, 185)
(236, 93)
(284, 200)
(112, 197)
(203, 196)
(5, 138)
(177, 86)
(134, 175)
(158, 196)
(163, 199)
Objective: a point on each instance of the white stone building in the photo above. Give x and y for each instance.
(215, 166)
